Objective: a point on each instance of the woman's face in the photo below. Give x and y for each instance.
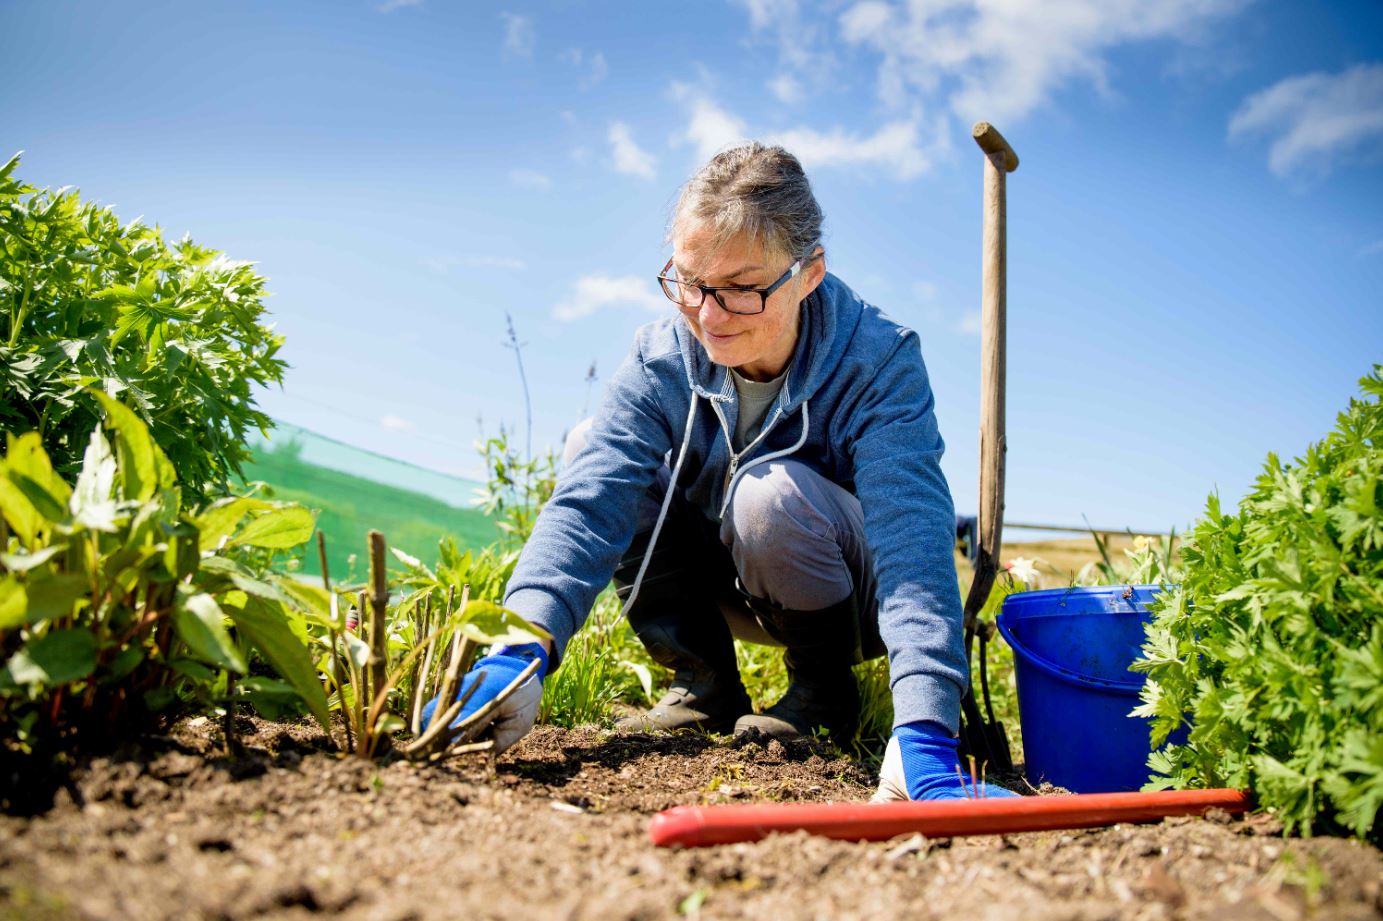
(758, 346)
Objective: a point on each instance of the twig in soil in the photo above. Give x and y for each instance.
(420, 682)
(379, 613)
(443, 739)
(335, 640)
(228, 721)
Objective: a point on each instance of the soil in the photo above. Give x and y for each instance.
(556, 828)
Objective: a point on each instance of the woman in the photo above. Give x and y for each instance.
(766, 463)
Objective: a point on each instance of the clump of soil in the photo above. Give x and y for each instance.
(556, 828)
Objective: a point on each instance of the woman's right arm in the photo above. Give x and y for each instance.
(588, 524)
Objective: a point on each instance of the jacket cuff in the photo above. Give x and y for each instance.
(544, 610)
(927, 698)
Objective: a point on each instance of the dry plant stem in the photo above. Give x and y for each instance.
(228, 724)
(477, 721)
(441, 721)
(362, 627)
(458, 650)
(334, 635)
(378, 705)
(379, 612)
(420, 681)
(357, 712)
(470, 749)
(441, 731)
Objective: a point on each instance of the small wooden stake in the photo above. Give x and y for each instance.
(379, 622)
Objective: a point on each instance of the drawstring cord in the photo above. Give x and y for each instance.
(662, 512)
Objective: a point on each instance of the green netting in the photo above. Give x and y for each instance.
(356, 490)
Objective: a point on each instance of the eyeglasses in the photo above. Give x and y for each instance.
(734, 298)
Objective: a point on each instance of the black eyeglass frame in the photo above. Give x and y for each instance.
(664, 280)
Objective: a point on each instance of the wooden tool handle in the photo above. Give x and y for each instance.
(991, 141)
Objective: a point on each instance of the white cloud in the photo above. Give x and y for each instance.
(924, 290)
(595, 292)
(530, 179)
(397, 424)
(896, 147)
(593, 66)
(519, 37)
(630, 157)
(803, 46)
(787, 88)
(971, 323)
(1315, 118)
(710, 128)
(388, 6)
(1001, 59)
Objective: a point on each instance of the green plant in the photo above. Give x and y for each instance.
(603, 664)
(517, 487)
(419, 649)
(1271, 649)
(1150, 561)
(94, 306)
(116, 603)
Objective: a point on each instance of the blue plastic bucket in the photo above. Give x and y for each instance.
(1072, 648)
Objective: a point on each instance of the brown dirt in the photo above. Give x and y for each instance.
(556, 828)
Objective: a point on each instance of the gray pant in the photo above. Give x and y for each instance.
(790, 537)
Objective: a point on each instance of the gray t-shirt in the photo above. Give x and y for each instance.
(755, 399)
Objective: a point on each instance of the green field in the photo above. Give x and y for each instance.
(349, 506)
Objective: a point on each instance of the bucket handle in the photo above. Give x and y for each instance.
(1057, 671)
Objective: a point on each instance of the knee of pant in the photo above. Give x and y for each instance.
(576, 440)
(767, 508)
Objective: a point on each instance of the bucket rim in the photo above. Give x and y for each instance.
(1134, 595)
(1058, 671)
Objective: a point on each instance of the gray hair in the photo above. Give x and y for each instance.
(756, 189)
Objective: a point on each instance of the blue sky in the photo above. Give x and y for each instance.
(1195, 241)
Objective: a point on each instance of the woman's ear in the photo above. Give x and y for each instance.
(813, 274)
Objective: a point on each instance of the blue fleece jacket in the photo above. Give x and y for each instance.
(856, 407)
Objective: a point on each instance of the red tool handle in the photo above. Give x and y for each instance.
(697, 826)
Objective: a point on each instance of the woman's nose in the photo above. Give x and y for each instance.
(712, 315)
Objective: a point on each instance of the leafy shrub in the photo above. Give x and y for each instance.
(175, 332)
(1273, 643)
(115, 602)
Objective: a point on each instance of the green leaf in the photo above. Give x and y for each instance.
(201, 624)
(283, 527)
(220, 519)
(25, 455)
(14, 603)
(273, 698)
(143, 468)
(357, 650)
(314, 600)
(243, 579)
(414, 564)
(487, 622)
(389, 723)
(57, 657)
(53, 597)
(267, 628)
(23, 562)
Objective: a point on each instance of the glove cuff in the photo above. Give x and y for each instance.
(927, 734)
(526, 652)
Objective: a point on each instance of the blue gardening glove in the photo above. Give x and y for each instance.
(921, 762)
(512, 719)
